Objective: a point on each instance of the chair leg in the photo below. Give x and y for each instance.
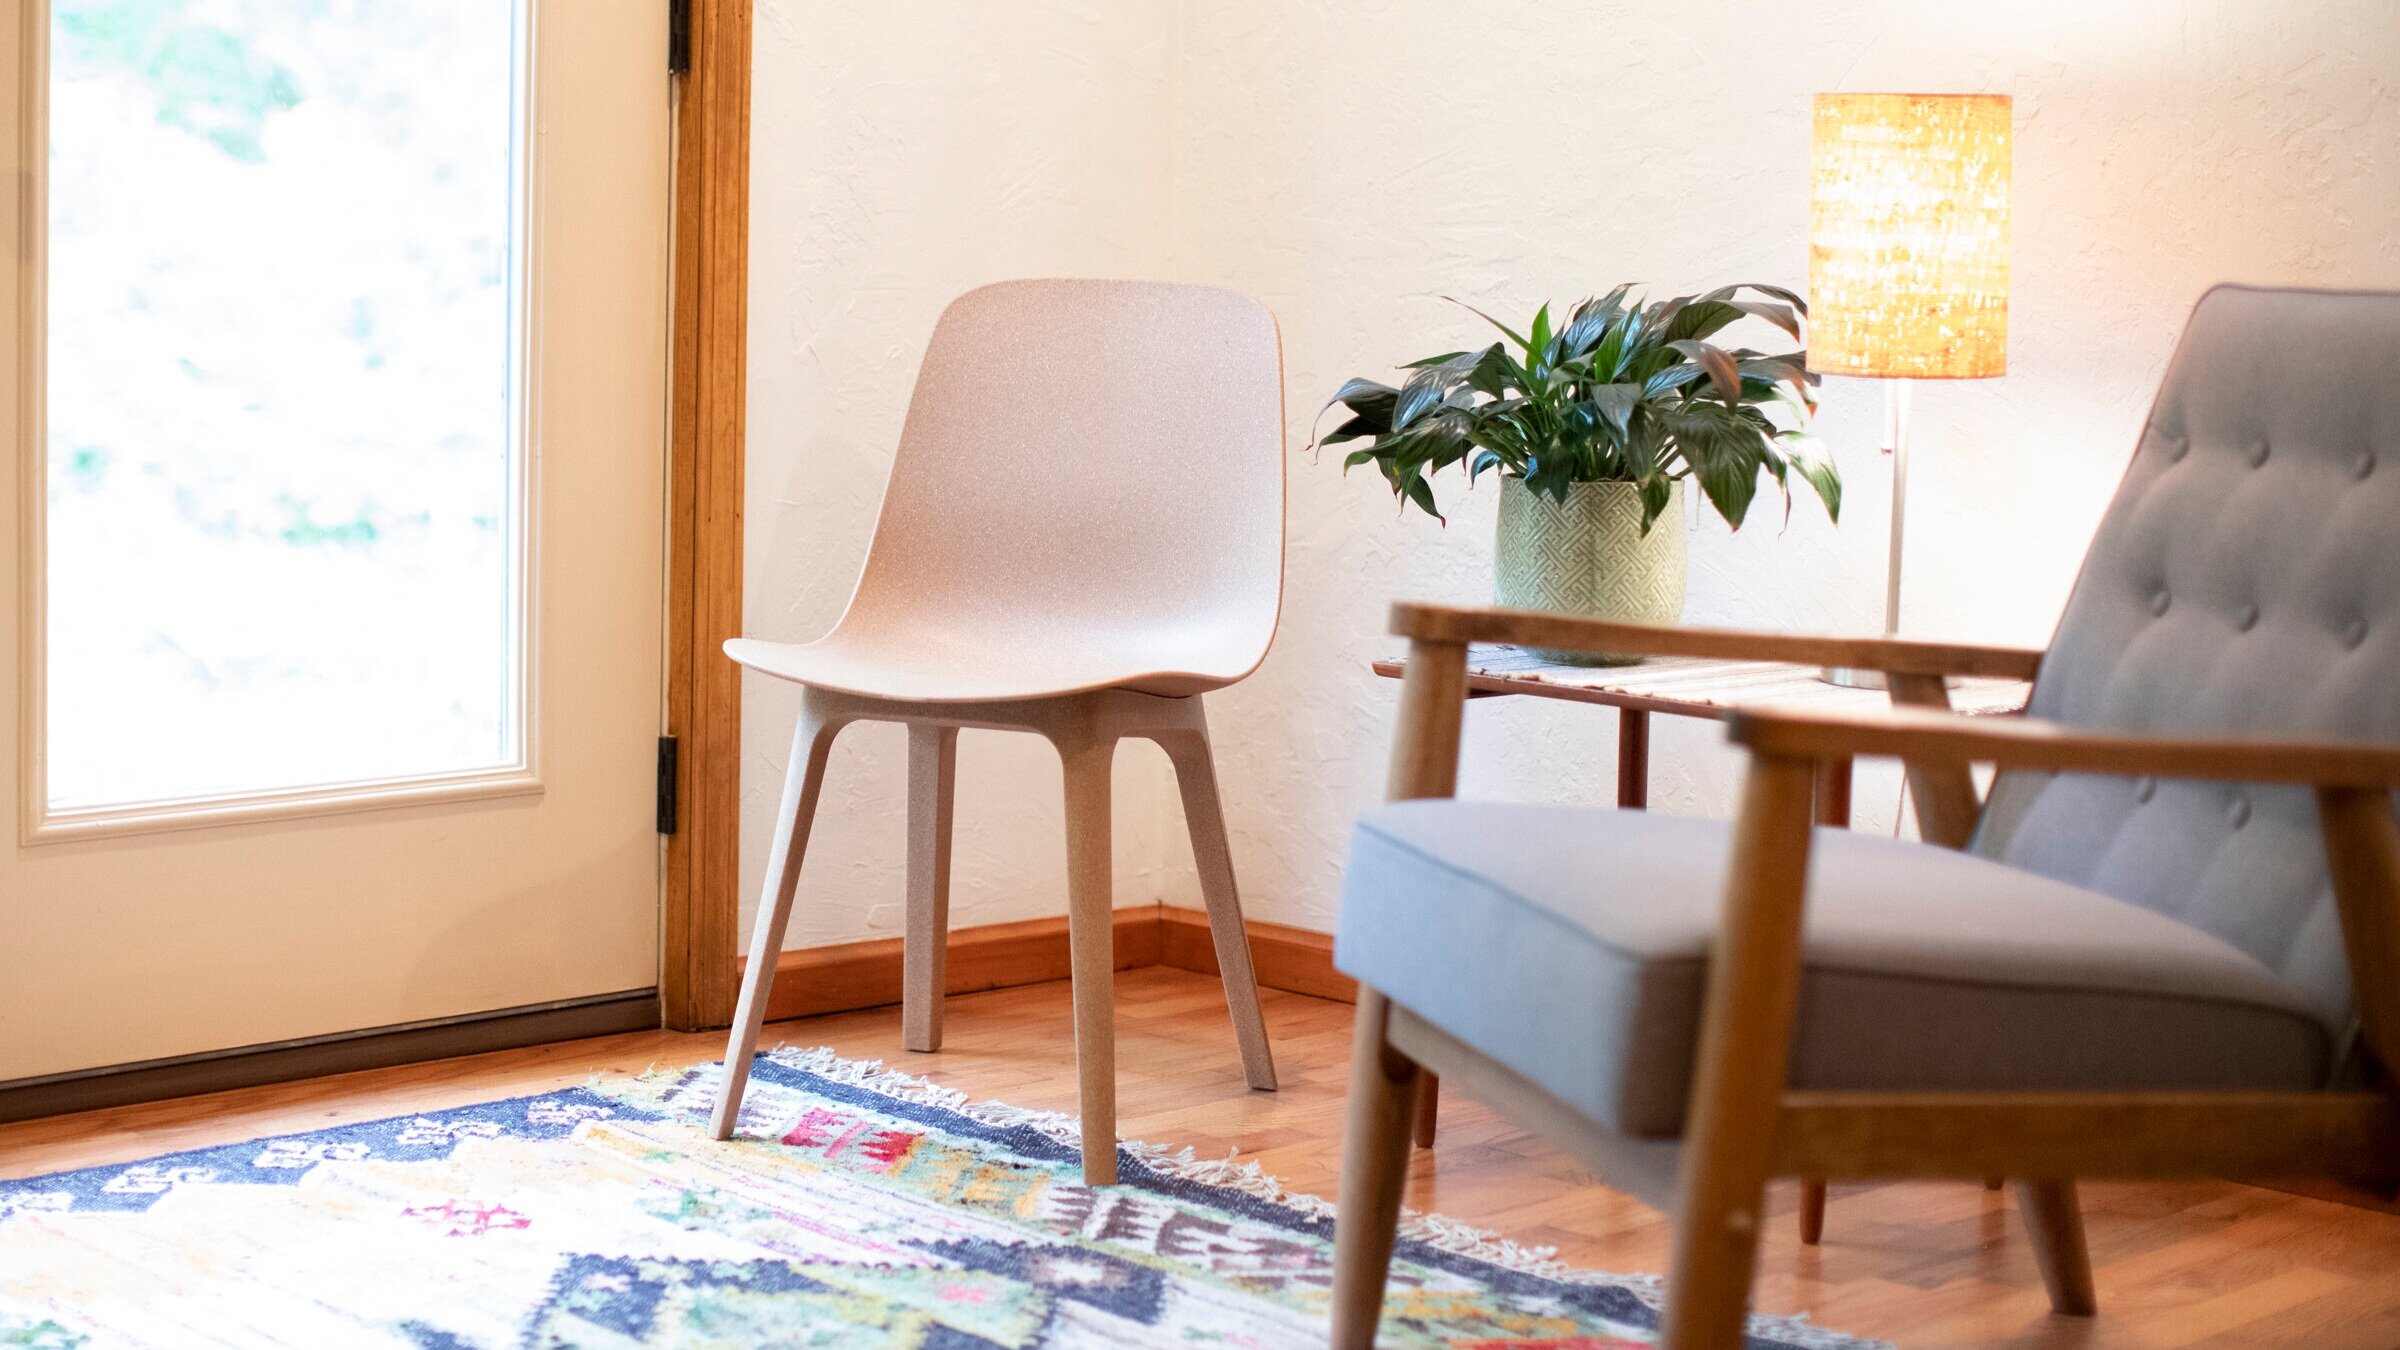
(1375, 1151)
(1429, 1110)
(1812, 1212)
(1745, 1038)
(932, 795)
(812, 742)
(2055, 1224)
(1091, 950)
(1204, 816)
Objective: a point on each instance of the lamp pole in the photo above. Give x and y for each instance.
(1895, 443)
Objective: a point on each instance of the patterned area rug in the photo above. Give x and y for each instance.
(859, 1208)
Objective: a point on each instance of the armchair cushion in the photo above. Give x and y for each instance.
(1570, 944)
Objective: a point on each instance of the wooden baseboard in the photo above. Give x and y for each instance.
(1296, 960)
(849, 976)
(316, 1056)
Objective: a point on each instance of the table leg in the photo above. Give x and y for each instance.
(1833, 808)
(1633, 759)
(1833, 791)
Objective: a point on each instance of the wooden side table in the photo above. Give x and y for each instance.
(1689, 686)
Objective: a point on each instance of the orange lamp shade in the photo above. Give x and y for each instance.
(1908, 235)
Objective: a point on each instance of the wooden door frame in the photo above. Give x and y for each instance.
(710, 354)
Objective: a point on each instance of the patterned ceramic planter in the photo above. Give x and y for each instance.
(1589, 556)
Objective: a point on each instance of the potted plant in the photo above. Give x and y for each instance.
(1593, 428)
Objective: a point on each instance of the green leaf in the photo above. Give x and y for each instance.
(1496, 372)
(1658, 493)
(1701, 318)
(1352, 430)
(1725, 453)
(1361, 394)
(1371, 404)
(1616, 402)
(1791, 298)
(1591, 320)
(1429, 388)
(1420, 492)
(1782, 316)
(1784, 368)
(1512, 333)
(1537, 340)
(1722, 372)
(1673, 377)
(1809, 460)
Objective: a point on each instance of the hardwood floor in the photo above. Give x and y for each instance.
(1922, 1265)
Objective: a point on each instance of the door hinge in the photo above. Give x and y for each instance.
(666, 784)
(679, 37)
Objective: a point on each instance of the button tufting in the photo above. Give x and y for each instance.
(2159, 601)
(2246, 620)
(2258, 455)
(2364, 466)
(2355, 634)
(2238, 812)
(2144, 788)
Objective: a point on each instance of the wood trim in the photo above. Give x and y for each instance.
(852, 975)
(1916, 734)
(698, 975)
(340, 1052)
(1528, 628)
(2355, 1135)
(1295, 960)
(1944, 790)
(2362, 854)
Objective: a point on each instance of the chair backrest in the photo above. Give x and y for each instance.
(1098, 462)
(2244, 582)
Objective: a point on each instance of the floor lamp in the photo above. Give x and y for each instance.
(1907, 261)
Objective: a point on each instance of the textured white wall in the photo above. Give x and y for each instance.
(1350, 163)
(901, 154)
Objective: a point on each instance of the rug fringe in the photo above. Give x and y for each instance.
(1249, 1178)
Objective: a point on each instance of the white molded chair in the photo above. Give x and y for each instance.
(1082, 534)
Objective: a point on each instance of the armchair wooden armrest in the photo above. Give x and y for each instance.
(1528, 628)
(1920, 735)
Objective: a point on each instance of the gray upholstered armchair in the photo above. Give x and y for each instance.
(2168, 945)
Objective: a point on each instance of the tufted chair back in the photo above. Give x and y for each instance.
(2245, 582)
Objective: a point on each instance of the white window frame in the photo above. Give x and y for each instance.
(29, 66)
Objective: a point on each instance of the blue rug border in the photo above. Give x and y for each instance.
(236, 1163)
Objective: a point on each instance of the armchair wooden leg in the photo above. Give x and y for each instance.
(804, 777)
(932, 796)
(1204, 816)
(1383, 1094)
(1834, 778)
(1433, 702)
(1091, 949)
(2056, 1227)
(1745, 1039)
